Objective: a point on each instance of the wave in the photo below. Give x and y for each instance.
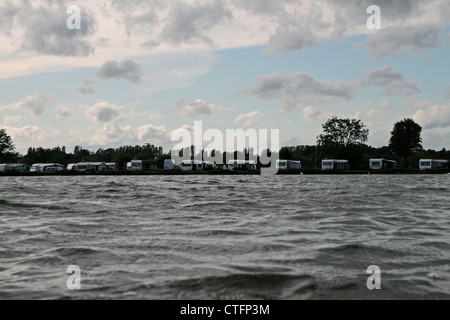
(264, 286)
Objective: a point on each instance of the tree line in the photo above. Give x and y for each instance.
(341, 139)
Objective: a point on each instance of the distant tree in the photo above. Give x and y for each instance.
(343, 132)
(406, 138)
(343, 138)
(6, 146)
(286, 153)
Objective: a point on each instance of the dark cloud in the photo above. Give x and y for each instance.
(103, 112)
(63, 112)
(300, 89)
(138, 15)
(392, 40)
(189, 23)
(392, 81)
(85, 90)
(46, 32)
(126, 70)
(151, 44)
(270, 9)
(391, 10)
(297, 31)
(8, 11)
(352, 14)
(87, 87)
(288, 38)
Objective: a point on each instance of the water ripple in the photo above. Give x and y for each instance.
(225, 237)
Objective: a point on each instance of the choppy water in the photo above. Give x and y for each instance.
(225, 237)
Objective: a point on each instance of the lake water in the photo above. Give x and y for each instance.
(225, 237)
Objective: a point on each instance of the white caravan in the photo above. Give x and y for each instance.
(332, 164)
(432, 164)
(89, 166)
(14, 167)
(41, 167)
(169, 164)
(142, 165)
(192, 165)
(376, 164)
(288, 165)
(241, 165)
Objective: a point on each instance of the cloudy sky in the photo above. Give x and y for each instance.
(138, 70)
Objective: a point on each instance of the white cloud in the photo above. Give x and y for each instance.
(148, 114)
(392, 81)
(300, 89)
(249, 119)
(29, 136)
(103, 112)
(413, 105)
(116, 29)
(197, 108)
(13, 121)
(183, 128)
(433, 116)
(112, 134)
(436, 138)
(26, 132)
(35, 104)
(375, 115)
(180, 73)
(314, 114)
(151, 133)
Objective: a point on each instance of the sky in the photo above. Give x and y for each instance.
(135, 71)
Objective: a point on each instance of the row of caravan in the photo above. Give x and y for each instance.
(197, 165)
(92, 166)
(38, 167)
(14, 167)
(374, 164)
(250, 165)
(377, 164)
(327, 164)
(55, 167)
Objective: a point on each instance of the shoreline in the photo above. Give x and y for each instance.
(221, 172)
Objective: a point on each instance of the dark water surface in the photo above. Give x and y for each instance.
(225, 237)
